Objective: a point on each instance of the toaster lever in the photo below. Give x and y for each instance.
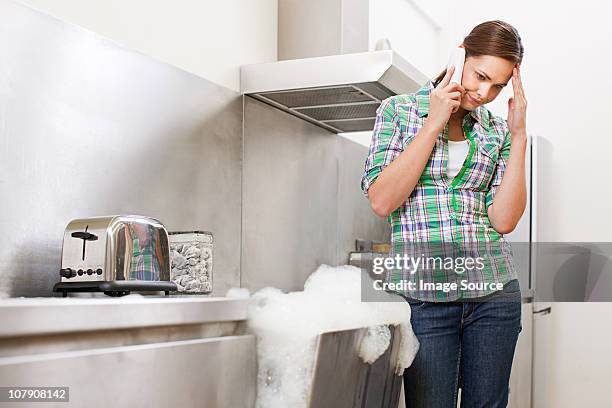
(84, 235)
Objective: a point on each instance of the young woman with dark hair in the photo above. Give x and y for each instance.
(443, 169)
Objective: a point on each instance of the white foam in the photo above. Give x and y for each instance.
(238, 293)
(287, 325)
(375, 343)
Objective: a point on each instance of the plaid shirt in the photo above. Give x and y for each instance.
(144, 264)
(439, 211)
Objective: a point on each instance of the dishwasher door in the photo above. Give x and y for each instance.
(343, 380)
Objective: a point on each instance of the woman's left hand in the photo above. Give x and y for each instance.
(517, 107)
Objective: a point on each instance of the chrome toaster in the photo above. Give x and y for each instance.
(115, 255)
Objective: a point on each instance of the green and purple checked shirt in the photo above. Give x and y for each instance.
(439, 211)
(144, 263)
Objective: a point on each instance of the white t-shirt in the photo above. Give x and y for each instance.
(457, 152)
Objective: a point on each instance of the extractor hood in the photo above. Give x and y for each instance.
(339, 93)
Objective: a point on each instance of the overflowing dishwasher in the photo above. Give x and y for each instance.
(324, 346)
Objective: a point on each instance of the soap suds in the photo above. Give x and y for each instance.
(287, 326)
(375, 343)
(238, 293)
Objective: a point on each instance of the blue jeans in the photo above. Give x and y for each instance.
(467, 345)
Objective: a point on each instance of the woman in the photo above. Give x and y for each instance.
(443, 169)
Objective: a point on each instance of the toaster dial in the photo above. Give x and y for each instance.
(68, 273)
(91, 273)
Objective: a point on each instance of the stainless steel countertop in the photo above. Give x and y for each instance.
(36, 316)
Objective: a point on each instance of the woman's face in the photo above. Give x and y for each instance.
(483, 78)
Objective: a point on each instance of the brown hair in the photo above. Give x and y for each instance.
(496, 38)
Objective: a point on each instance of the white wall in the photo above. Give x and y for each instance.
(206, 37)
(565, 71)
(413, 34)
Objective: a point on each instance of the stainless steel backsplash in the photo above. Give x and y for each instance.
(90, 128)
(302, 202)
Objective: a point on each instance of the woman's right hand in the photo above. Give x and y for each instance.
(444, 100)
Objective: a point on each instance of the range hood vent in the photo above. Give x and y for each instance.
(339, 93)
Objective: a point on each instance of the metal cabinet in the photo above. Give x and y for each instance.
(211, 372)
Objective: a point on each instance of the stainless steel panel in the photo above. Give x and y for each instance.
(302, 202)
(56, 343)
(317, 96)
(356, 220)
(378, 70)
(375, 89)
(355, 26)
(89, 128)
(346, 108)
(341, 27)
(544, 353)
(296, 17)
(521, 237)
(352, 125)
(343, 380)
(522, 365)
(24, 317)
(361, 111)
(290, 189)
(218, 372)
